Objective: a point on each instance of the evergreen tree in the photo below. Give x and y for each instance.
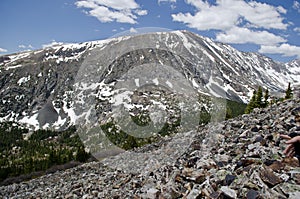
(266, 97)
(258, 99)
(251, 104)
(228, 113)
(81, 155)
(289, 92)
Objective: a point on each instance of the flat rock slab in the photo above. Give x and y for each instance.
(268, 176)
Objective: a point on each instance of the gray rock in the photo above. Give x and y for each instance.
(252, 194)
(229, 192)
(194, 193)
(152, 193)
(251, 170)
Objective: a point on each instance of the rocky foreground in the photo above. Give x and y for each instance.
(239, 158)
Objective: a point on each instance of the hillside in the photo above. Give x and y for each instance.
(238, 158)
(44, 88)
(156, 101)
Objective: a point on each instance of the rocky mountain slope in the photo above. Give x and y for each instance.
(43, 88)
(238, 158)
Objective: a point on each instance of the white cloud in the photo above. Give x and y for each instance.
(133, 30)
(104, 15)
(281, 10)
(171, 1)
(239, 35)
(118, 5)
(141, 12)
(296, 6)
(283, 49)
(239, 22)
(297, 29)
(229, 13)
(208, 19)
(53, 43)
(122, 11)
(25, 47)
(2, 50)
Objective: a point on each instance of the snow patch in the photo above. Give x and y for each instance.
(169, 84)
(137, 82)
(13, 67)
(155, 81)
(31, 121)
(122, 98)
(23, 80)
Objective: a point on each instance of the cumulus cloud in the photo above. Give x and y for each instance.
(296, 6)
(104, 15)
(53, 43)
(2, 50)
(172, 2)
(226, 14)
(238, 35)
(240, 22)
(207, 19)
(141, 12)
(133, 30)
(283, 49)
(122, 11)
(297, 29)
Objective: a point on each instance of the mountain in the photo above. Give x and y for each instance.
(54, 87)
(238, 158)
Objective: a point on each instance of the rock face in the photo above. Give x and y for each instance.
(231, 159)
(30, 81)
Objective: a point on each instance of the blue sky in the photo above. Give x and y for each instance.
(271, 27)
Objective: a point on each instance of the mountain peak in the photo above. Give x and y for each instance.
(30, 80)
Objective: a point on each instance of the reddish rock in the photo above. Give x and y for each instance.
(268, 177)
(277, 166)
(292, 162)
(296, 177)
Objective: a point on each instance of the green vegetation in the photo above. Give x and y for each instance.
(142, 119)
(204, 117)
(44, 149)
(258, 100)
(234, 109)
(126, 141)
(288, 92)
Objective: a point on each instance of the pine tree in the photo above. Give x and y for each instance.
(288, 92)
(228, 113)
(81, 155)
(251, 104)
(266, 97)
(258, 99)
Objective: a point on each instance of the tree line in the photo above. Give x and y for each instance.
(261, 100)
(41, 151)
